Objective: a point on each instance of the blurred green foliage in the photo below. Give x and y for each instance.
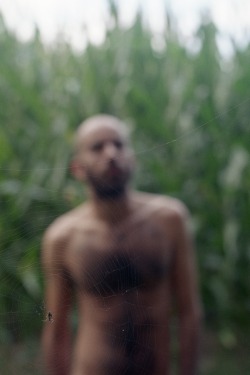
(189, 112)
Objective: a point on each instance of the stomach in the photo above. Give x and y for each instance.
(121, 348)
(123, 335)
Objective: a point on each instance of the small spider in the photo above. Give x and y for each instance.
(49, 317)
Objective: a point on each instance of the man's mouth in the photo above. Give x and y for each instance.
(113, 171)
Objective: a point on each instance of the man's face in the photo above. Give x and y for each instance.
(106, 159)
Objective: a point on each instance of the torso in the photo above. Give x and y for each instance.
(120, 274)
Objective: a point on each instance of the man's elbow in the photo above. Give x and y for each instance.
(55, 350)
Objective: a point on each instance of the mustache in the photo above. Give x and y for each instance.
(113, 164)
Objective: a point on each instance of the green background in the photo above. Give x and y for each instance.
(189, 112)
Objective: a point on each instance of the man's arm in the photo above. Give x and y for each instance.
(185, 289)
(56, 337)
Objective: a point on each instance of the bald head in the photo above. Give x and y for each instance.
(103, 156)
(97, 123)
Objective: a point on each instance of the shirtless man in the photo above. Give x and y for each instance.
(128, 259)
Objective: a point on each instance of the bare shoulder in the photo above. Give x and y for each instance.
(61, 230)
(174, 207)
(173, 216)
(164, 206)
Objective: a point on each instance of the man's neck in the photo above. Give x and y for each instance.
(112, 210)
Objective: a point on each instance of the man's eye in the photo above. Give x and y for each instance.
(118, 144)
(97, 147)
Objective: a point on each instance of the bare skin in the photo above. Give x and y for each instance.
(126, 256)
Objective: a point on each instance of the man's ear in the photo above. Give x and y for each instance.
(77, 170)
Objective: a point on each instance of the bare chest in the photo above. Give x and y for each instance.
(111, 262)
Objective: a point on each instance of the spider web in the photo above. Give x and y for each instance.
(33, 312)
(22, 315)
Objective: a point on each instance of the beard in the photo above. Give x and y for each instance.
(108, 189)
(109, 192)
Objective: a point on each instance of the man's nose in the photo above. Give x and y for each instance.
(110, 151)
